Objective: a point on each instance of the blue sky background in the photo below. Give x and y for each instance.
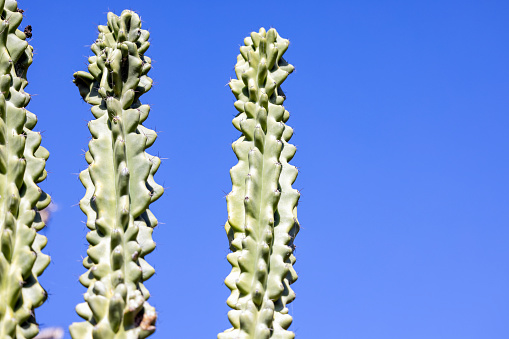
(400, 116)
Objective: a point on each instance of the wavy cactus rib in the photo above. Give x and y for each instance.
(22, 162)
(262, 206)
(119, 184)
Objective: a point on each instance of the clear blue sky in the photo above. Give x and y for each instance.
(400, 110)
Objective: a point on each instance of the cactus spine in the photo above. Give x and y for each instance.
(119, 185)
(262, 206)
(22, 162)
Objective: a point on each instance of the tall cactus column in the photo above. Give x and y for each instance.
(119, 185)
(262, 206)
(22, 162)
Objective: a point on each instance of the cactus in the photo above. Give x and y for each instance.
(22, 162)
(262, 206)
(119, 185)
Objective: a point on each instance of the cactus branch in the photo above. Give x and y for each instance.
(262, 221)
(22, 162)
(119, 184)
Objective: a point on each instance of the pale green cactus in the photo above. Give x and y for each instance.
(119, 185)
(262, 206)
(22, 162)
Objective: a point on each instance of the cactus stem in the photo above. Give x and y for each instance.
(20, 197)
(261, 205)
(117, 197)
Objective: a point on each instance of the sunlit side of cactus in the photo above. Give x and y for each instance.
(119, 185)
(22, 162)
(262, 206)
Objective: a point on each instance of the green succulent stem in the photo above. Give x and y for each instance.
(119, 184)
(262, 218)
(22, 162)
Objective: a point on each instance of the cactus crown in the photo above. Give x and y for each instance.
(22, 162)
(262, 221)
(119, 184)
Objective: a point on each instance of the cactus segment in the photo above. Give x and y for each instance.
(119, 184)
(22, 162)
(262, 206)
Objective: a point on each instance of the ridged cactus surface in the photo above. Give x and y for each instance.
(262, 206)
(119, 185)
(22, 162)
